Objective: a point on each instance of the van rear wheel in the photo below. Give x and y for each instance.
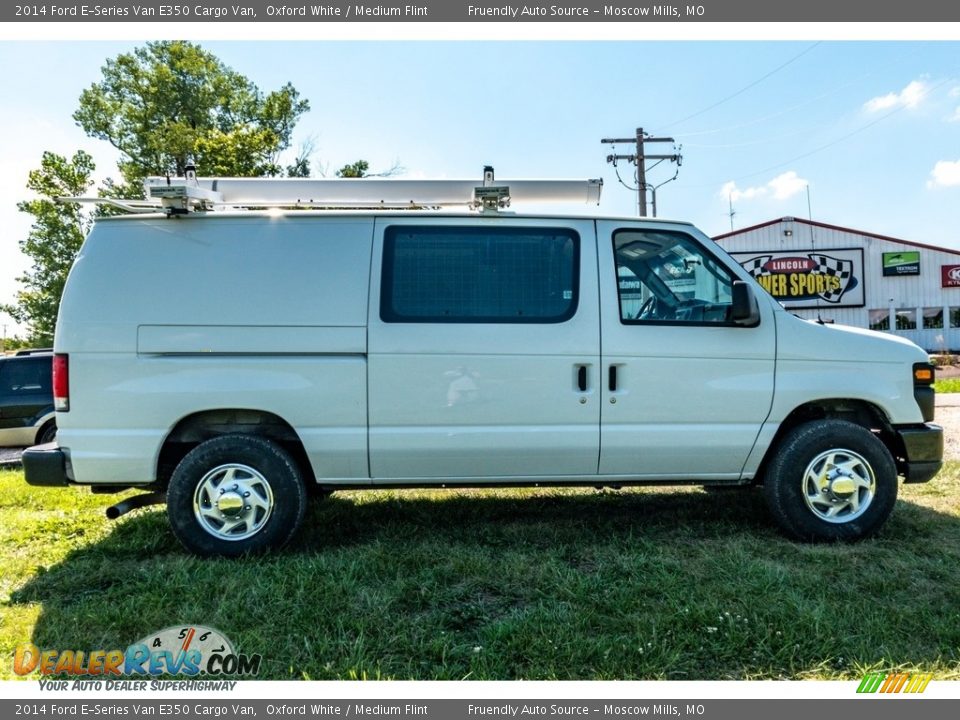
(831, 480)
(235, 495)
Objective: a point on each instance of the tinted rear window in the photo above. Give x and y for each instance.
(25, 377)
(476, 274)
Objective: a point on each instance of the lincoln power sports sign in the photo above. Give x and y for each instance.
(809, 278)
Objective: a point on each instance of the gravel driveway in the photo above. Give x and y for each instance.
(8, 455)
(948, 415)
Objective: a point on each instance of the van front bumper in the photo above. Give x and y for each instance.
(45, 466)
(923, 452)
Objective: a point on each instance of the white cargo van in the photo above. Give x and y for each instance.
(228, 361)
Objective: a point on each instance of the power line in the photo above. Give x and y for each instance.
(722, 146)
(826, 146)
(771, 116)
(639, 158)
(898, 62)
(746, 87)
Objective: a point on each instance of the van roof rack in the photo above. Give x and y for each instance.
(183, 195)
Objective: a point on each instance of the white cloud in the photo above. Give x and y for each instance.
(945, 174)
(731, 191)
(787, 185)
(955, 92)
(910, 97)
(955, 117)
(780, 188)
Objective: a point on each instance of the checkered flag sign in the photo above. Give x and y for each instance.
(834, 267)
(755, 266)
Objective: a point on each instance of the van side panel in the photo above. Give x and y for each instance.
(489, 400)
(216, 313)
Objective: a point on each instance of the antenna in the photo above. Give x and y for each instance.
(813, 246)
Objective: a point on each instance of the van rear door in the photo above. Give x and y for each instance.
(483, 349)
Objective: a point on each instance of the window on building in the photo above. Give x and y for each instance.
(906, 319)
(933, 318)
(955, 317)
(880, 319)
(479, 275)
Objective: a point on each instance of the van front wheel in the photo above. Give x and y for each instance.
(831, 480)
(235, 495)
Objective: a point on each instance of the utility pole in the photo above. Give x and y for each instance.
(642, 175)
(732, 211)
(640, 160)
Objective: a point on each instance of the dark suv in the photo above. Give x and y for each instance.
(26, 399)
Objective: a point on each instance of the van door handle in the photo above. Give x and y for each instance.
(612, 378)
(582, 378)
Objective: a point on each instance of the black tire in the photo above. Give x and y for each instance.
(48, 433)
(831, 466)
(262, 500)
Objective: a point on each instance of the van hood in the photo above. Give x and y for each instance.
(801, 339)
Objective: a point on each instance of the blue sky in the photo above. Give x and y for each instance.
(872, 126)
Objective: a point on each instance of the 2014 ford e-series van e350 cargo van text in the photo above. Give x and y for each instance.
(228, 360)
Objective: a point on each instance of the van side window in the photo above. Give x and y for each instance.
(666, 277)
(479, 274)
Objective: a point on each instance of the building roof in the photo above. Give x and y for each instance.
(827, 226)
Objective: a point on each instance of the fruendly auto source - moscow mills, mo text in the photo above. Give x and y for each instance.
(195, 11)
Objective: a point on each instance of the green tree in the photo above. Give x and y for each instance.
(361, 169)
(354, 170)
(15, 342)
(162, 106)
(171, 102)
(55, 237)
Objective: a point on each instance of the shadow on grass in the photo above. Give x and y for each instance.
(545, 584)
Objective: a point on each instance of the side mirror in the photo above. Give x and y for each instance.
(744, 310)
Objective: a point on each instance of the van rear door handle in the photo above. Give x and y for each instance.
(582, 378)
(612, 378)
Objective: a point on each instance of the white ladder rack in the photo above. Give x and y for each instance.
(179, 195)
(183, 195)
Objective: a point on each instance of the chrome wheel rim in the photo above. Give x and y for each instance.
(838, 485)
(233, 502)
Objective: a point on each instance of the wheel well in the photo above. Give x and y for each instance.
(43, 428)
(195, 429)
(858, 412)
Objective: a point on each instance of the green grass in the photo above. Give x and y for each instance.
(503, 584)
(947, 385)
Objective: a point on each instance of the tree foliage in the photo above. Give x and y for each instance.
(171, 102)
(163, 106)
(357, 169)
(361, 169)
(55, 238)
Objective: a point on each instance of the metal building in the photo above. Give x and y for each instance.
(856, 278)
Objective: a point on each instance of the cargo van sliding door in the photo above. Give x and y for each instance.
(483, 349)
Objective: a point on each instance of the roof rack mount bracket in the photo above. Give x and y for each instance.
(490, 199)
(181, 198)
